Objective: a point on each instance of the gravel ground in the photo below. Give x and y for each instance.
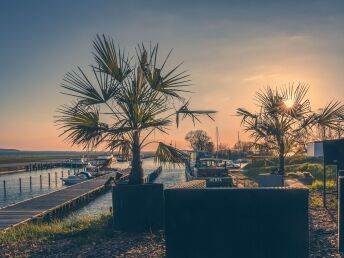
(323, 231)
(323, 242)
(118, 245)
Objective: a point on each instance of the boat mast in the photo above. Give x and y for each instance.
(217, 141)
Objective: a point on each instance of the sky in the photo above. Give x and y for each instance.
(230, 48)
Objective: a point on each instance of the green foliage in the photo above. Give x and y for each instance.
(318, 185)
(293, 165)
(85, 228)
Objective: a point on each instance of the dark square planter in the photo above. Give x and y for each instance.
(138, 207)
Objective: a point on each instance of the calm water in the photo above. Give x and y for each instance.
(13, 194)
(168, 177)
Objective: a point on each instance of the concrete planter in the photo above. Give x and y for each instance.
(138, 207)
(237, 222)
(270, 180)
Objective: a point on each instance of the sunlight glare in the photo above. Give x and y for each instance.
(289, 103)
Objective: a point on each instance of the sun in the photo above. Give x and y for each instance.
(289, 103)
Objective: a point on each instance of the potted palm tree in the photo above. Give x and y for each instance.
(120, 105)
(285, 119)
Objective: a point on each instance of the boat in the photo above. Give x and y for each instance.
(76, 163)
(103, 162)
(75, 179)
(214, 171)
(232, 165)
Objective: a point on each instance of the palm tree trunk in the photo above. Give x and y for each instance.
(136, 174)
(281, 159)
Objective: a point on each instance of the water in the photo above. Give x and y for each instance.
(13, 193)
(169, 176)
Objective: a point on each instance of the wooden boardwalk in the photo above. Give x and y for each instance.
(51, 203)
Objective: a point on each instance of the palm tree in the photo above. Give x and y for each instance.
(285, 118)
(124, 101)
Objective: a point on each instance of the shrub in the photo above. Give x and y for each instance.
(307, 174)
(318, 185)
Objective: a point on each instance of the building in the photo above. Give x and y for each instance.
(315, 149)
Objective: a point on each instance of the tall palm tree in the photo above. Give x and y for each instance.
(285, 118)
(124, 101)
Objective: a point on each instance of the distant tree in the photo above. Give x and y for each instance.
(244, 147)
(284, 118)
(224, 151)
(200, 141)
(210, 147)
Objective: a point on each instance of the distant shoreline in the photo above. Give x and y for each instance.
(11, 165)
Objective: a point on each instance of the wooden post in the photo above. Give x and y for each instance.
(4, 188)
(40, 180)
(62, 173)
(49, 179)
(341, 214)
(20, 185)
(68, 172)
(30, 183)
(55, 178)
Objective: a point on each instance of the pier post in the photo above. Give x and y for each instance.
(55, 178)
(49, 179)
(40, 181)
(68, 172)
(5, 188)
(62, 173)
(30, 183)
(20, 185)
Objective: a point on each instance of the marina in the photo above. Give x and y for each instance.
(172, 129)
(61, 201)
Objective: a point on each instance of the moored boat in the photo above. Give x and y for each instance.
(75, 179)
(214, 171)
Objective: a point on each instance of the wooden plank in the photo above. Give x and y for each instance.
(27, 210)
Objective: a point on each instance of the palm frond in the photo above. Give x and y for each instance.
(80, 125)
(168, 154)
(110, 60)
(193, 114)
(331, 116)
(171, 82)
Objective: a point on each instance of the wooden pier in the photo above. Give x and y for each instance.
(57, 203)
(52, 204)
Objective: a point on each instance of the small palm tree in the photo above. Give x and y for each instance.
(285, 118)
(125, 103)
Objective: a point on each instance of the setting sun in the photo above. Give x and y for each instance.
(289, 103)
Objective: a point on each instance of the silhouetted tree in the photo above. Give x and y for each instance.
(284, 117)
(124, 101)
(200, 141)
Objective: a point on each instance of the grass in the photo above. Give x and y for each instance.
(296, 164)
(84, 229)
